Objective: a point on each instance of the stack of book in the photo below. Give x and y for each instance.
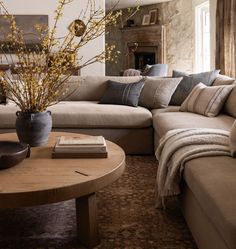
(80, 147)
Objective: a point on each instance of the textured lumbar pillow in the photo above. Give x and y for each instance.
(205, 100)
(188, 82)
(232, 140)
(122, 94)
(157, 92)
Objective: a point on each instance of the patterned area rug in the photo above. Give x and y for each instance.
(127, 218)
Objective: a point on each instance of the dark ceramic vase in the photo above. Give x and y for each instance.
(33, 128)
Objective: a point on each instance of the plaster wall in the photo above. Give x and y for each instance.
(71, 12)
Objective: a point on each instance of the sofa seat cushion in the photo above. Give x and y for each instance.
(87, 114)
(163, 122)
(212, 181)
(170, 108)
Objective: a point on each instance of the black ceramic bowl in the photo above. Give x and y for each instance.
(12, 153)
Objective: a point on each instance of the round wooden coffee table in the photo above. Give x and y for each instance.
(41, 180)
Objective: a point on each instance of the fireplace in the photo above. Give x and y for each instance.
(144, 45)
(142, 54)
(144, 58)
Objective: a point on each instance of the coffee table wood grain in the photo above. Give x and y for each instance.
(41, 180)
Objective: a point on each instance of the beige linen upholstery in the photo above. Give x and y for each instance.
(132, 141)
(92, 88)
(207, 101)
(232, 140)
(204, 232)
(223, 80)
(230, 104)
(157, 92)
(166, 121)
(208, 199)
(87, 114)
(170, 108)
(212, 181)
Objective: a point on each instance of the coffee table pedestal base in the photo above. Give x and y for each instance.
(87, 223)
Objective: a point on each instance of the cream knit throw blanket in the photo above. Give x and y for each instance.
(179, 146)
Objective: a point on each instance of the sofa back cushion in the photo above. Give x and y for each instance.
(230, 104)
(157, 92)
(223, 80)
(122, 94)
(188, 82)
(91, 88)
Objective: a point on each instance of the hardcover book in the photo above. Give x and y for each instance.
(76, 147)
(91, 140)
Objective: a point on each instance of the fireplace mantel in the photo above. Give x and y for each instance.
(148, 39)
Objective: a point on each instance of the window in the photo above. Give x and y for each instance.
(202, 40)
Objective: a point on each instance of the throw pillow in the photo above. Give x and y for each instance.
(223, 80)
(188, 82)
(207, 101)
(122, 94)
(157, 92)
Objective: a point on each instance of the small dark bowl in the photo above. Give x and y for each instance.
(12, 153)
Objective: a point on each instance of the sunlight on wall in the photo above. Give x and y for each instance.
(202, 37)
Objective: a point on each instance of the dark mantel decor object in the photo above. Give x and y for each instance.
(12, 153)
(140, 40)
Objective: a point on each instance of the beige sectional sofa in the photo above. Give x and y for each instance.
(209, 188)
(208, 197)
(79, 112)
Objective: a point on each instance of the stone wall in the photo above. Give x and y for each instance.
(178, 18)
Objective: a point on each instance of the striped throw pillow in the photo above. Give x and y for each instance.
(207, 101)
(122, 94)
